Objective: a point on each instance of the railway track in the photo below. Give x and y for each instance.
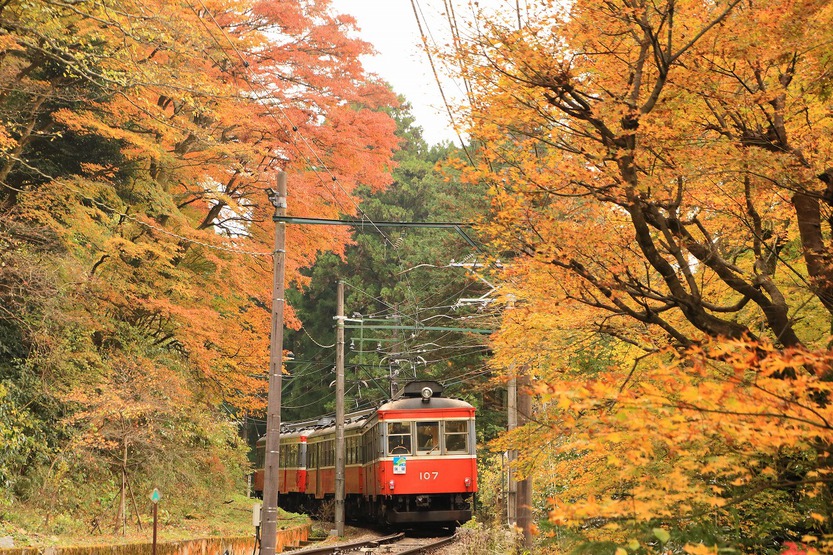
(395, 544)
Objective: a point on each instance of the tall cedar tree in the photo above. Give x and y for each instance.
(397, 276)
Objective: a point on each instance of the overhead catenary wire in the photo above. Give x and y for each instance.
(437, 79)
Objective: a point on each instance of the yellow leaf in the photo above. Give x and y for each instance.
(816, 516)
(700, 549)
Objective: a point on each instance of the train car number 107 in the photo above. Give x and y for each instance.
(428, 475)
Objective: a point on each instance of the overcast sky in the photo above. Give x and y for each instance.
(392, 29)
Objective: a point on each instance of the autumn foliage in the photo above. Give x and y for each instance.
(660, 181)
(136, 142)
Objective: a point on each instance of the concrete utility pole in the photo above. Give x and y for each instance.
(269, 528)
(511, 455)
(339, 493)
(524, 496)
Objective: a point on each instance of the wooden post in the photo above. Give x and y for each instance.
(269, 526)
(153, 547)
(339, 493)
(123, 503)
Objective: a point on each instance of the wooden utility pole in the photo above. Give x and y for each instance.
(269, 529)
(339, 493)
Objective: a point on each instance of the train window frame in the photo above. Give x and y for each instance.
(365, 440)
(403, 439)
(356, 449)
(454, 435)
(435, 447)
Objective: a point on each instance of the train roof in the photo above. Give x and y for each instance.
(435, 403)
(412, 400)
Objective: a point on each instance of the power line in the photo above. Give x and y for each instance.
(316, 342)
(437, 79)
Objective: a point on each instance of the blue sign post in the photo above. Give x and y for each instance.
(155, 496)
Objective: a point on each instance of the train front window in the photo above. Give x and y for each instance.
(456, 436)
(428, 437)
(399, 438)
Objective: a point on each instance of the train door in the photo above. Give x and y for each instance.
(302, 466)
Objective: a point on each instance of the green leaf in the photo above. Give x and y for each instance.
(662, 534)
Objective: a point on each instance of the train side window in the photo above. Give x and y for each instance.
(428, 437)
(399, 438)
(456, 436)
(260, 455)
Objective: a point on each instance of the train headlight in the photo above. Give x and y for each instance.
(390, 485)
(426, 393)
(467, 482)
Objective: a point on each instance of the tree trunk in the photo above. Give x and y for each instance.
(816, 256)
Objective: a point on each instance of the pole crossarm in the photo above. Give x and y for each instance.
(359, 224)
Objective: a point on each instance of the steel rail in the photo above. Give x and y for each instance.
(420, 550)
(342, 547)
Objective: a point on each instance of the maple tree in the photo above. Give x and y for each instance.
(659, 173)
(136, 142)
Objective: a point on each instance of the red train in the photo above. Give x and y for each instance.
(409, 462)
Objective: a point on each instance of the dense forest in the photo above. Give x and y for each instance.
(650, 192)
(136, 142)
